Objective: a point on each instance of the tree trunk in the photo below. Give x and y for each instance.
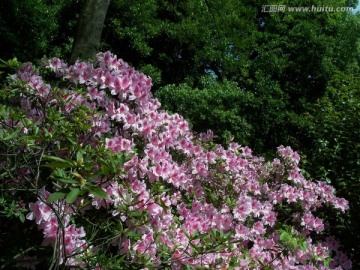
(90, 25)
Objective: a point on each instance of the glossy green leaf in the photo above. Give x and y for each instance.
(55, 196)
(72, 195)
(98, 192)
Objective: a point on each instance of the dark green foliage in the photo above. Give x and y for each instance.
(25, 28)
(220, 107)
(333, 124)
(227, 110)
(30, 29)
(179, 40)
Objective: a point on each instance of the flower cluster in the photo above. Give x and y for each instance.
(182, 200)
(54, 220)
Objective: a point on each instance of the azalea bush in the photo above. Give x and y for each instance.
(94, 175)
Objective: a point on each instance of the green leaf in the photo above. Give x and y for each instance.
(303, 246)
(161, 203)
(72, 195)
(327, 262)
(68, 181)
(133, 235)
(284, 236)
(98, 192)
(55, 196)
(294, 243)
(80, 158)
(57, 162)
(22, 217)
(128, 157)
(3, 64)
(227, 235)
(105, 169)
(12, 135)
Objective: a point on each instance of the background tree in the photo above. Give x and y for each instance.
(90, 26)
(333, 124)
(177, 41)
(30, 29)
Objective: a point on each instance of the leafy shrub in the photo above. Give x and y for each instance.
(219, 107)
(333, 127)
(113, 182)
(258, 118)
